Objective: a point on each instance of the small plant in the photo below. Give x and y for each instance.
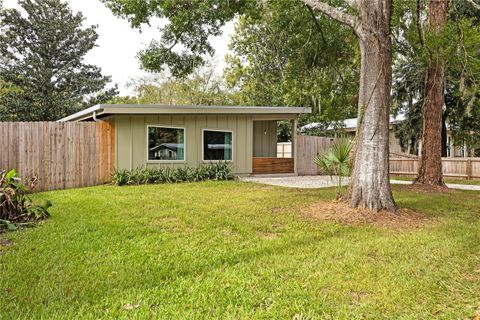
(214, 171)
(16, 208)
(336, 163)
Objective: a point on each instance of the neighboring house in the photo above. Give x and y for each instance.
(177, 136)
(350, 127)
(165, 151)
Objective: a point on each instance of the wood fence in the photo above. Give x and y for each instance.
(284, 150)
(307, 148)
(467, 168)
(59, 154)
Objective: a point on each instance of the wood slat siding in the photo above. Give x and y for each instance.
(468, 168)
(60, 154)
(307, 148)
(267, 165)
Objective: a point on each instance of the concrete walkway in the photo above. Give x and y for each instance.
(314, 182)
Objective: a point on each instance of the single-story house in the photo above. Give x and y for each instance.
(349, 126)
(177, 136)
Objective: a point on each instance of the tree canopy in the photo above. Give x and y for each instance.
(184, 43)
(43, 52)
(306, 60)
(203, 87)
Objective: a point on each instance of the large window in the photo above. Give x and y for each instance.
(166, 144)
(217, 145)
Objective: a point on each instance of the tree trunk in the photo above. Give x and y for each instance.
(444, 137)
(370, 184)
(430, 168)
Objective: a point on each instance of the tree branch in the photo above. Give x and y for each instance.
(352, 3)
(333, 12)
(474, 4)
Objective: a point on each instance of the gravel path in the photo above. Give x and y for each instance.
(314, 182)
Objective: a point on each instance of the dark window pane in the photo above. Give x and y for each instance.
(217, 145)
(166, 144)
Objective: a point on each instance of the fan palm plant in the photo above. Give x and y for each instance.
(336, 162)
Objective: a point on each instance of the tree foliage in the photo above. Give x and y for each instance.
(43, 52)
(203, 87)
(189, 24)
(303, 60)
(284, 53)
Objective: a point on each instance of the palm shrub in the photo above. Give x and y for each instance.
(16, 208)
(336, 163)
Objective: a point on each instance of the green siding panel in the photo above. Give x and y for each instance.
(131, 138)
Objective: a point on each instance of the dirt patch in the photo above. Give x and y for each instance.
(358, 297)
(425, 188)
(171, 224)
(278, 210)
(4, 242)
(339, 211)
(267, 235)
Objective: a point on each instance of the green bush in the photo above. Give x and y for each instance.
(16, 208)
(336, 163)
(141, 175)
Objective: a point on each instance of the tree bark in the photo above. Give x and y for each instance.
(430, 168)
(444, 137)
(369, 183)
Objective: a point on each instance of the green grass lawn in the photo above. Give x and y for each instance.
(447, 180)
(232, 250)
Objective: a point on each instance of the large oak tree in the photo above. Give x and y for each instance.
(370, 21)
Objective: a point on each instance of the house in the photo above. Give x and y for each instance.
(177, 136)
(350, 126)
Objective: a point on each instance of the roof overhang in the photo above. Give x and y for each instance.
(103, 110)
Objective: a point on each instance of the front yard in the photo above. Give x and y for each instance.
(233, 250)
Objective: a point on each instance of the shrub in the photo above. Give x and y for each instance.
(214, 171)
(336, 162)
(16, 208)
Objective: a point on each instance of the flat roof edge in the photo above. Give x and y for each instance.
(104, 109)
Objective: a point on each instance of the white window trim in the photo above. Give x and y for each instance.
(217, 130)
(184, 143)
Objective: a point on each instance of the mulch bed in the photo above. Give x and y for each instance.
(424, 188)
(339, 211)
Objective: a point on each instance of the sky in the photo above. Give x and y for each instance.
(118, 44)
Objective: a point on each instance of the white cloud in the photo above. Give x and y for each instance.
(118, 44)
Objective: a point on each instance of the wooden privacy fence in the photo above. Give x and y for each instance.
(307, 148)
(60, 154)
(468, 168)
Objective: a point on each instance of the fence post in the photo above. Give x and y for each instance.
(469, 169)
